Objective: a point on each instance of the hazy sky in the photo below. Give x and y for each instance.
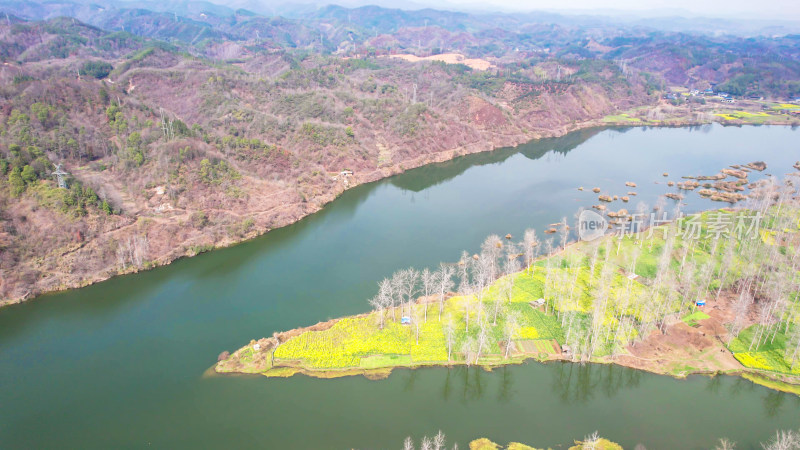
(772, 9)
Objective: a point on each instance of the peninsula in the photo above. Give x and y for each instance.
(710, 293)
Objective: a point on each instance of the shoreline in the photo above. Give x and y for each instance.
(767, 379)
(499, 142)
(688, 341)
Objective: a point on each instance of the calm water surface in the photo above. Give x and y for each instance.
(121, 363)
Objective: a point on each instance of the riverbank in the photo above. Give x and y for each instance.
(628, 301)
(593, 442)
(190, 243)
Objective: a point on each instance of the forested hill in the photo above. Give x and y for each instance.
(185, 130)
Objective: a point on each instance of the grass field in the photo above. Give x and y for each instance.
(785, 106)
(694, 318)
(624, 118)
(770, 355)
(751, 117)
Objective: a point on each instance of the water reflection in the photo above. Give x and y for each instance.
(579, 383)
(505, 391)
(571, 382)
(714, 384)
(773, 402)
(422, 178)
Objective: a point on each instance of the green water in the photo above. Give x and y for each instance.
(121, 363)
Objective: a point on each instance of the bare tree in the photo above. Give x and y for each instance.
(439, 441)
(783, 440)
(445, 280)
(404, 287)
(509, 331)
(481, 279)
(465, 286)
(725, 444)
(428, 284)
(386, 293)
(449, 335)
(792, 349)
(133, 251)
(417, 316)
(467, 348)
(408, 444)
(483, 340)
(591, 441)
(377, 304)
(491, 249)
(530, 244)
(427, 443)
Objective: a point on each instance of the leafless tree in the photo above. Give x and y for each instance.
(465, 286)
(404, 283)
(449, 335)
(509, 331)
(444, 278)
(417, 317)
(783, 440)
(792, 350)
(133, 251)
(491, 249)
(483, 339)
(467, 347)
(530, 245)
(387, 296)
(377, 304)
(439, 441)
(481, 279)
(427, 443)
(428, 285)
(591, 441)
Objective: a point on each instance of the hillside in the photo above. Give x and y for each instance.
(185, 133)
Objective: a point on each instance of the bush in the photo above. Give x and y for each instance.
(28, 175)
(97, 69)
(322, 135)
(211, 173)
(16, 182)
(199, 219)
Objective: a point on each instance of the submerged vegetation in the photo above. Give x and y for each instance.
(591, 301)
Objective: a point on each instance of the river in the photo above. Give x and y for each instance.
(121, 363)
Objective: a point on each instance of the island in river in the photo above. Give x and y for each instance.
(711, 293)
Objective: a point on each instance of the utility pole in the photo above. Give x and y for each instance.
(415, 93)
(62, 183)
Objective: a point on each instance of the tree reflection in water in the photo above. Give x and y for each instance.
(506, 383)
(572, 382)
(578, 383)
